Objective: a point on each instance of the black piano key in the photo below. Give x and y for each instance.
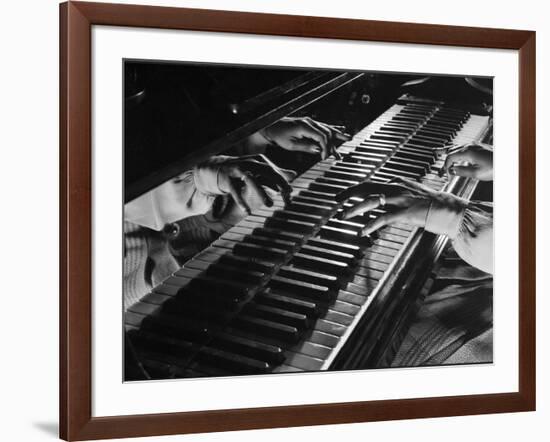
(267, 232)
(416, 147)
(430, 137)
(336, 181)
(215, 302)
(298, 216)
(304, 275)
(301, 198)
(348, 166)
(374, 149)
(282, 316)
(290, 225)
(330, 189)
(337, 246)
(328, 253)
(206, 309)
(407, 119)
(248, 347)
(418, 159)
(219, 286)
(354, 177)
(232, 361)
(268, 328)
(451, 130)
(188, 329)
(319, 264)
(260, 252)
(395, 138)
(299, 205)
(306, 289)
(306, 307)
(417, 141)
(275, 243)
(426, 154)
(391, 129)
(346, 225)
(397, 172)
(343, 235)
(246, 263)
(379, 143)
(236, 273)
(408, 166)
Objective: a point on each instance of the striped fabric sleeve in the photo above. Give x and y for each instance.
(474, 240)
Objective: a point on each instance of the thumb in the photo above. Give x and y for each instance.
(288, 174)
(304, 145)
(470, 171)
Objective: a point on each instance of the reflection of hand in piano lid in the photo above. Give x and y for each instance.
(305, 135)
(257, 181)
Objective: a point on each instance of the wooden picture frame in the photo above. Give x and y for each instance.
(76, 21)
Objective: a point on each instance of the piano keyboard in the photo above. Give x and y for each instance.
(283, 290)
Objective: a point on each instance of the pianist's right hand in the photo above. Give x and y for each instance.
(468, 224)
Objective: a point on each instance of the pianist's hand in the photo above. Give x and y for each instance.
(304, 135)
(405, 202)
(244, 178)
(471, 160)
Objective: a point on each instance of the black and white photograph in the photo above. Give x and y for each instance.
(285, 220)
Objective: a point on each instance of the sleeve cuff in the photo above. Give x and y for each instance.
(445, 215)
(203, 176)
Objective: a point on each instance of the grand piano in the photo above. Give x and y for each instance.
(291, 288)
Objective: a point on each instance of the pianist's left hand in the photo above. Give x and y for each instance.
(304, 135)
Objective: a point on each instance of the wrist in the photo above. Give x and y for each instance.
(264, 133)
(206, 176)
(445, 214)
(257, 142)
